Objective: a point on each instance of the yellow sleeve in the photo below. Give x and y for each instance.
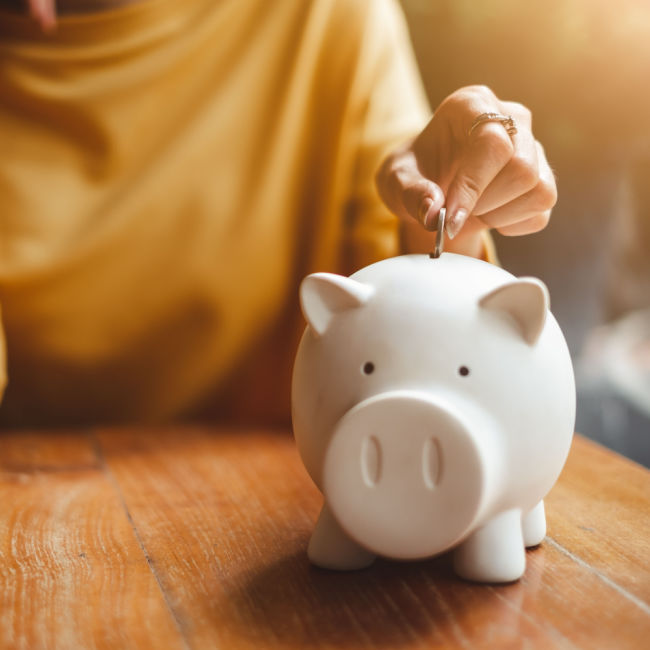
(390, 107)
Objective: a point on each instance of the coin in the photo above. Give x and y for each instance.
(440, 235)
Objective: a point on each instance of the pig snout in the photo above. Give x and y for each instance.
(404, 476)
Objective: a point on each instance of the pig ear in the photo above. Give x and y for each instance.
(526, 300)
(323, 295)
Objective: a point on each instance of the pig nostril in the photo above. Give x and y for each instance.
(432, 463)
(371, 461)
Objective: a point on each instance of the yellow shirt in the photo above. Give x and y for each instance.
(169, 171)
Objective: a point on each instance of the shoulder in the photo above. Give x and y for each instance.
(360, 18)
(362, 35)
(352, 18)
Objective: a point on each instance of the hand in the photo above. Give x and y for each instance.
(44, 13)
(488, 179)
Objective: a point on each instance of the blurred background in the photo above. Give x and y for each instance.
(583, 68)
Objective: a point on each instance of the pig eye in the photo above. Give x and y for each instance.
(463, 371)
(368, 368)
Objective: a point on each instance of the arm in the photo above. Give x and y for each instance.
(486, 180)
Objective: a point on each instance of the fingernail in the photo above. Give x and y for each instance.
(423, 213)
(456, 222)
(424, 209)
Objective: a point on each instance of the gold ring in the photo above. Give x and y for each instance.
(507, 121)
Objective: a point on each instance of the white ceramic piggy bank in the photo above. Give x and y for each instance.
(433, 405)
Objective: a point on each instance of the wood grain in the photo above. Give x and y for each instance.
(600, 510)
(226, 519)
(72, 574)
(196, 538)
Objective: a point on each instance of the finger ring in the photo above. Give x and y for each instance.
(507, 121)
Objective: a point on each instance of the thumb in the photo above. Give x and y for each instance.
(44, 13)
(407, 193)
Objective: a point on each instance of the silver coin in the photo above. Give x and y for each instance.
(440, 234)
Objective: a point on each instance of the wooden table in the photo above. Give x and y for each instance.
(196, 537)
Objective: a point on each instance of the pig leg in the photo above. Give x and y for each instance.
(495, 552)
(533, 525)
(331, 548)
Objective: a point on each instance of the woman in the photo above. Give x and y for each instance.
(174, 169)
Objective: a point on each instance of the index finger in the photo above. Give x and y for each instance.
(488, 151)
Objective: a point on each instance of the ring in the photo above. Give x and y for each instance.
(507, 121)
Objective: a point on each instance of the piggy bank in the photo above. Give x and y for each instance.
(433, 404)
